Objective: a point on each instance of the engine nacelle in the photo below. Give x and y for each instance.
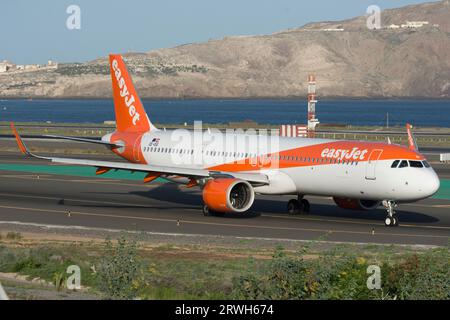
(228, 195)
(356, 204)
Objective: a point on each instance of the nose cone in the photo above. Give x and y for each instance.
(432, 184)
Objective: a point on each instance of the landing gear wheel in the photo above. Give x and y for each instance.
(304, 206)
(293, 206)
(388, 221)
(391, 219)
(395, 223)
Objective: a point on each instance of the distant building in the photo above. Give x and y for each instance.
(5, 66)
(414, 24)
(32, 66)
(52, 64)
(393, 26)
(334, 29)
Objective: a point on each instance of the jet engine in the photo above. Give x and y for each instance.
(228, 195)
(356, 204)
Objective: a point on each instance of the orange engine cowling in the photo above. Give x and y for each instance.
(356, 204)
(228, 195)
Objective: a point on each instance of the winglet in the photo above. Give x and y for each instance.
(20, 143)
(411, 140)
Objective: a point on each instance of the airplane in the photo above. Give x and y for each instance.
(358, 175)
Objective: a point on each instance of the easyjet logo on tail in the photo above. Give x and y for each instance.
(353, 154)
(125, 94)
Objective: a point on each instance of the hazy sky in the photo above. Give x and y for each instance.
(35, 31)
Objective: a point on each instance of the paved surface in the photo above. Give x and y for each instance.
(129, 204)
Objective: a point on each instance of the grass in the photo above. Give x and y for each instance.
(204, 272)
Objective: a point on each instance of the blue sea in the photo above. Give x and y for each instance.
(423, 113)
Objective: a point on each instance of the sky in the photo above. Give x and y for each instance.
(36, 31)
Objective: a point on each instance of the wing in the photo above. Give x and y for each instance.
(104, 166)
(85, 140)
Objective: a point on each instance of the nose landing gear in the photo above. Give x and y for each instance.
(391, 219)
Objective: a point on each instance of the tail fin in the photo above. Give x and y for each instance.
(411, 140)
(130, 113)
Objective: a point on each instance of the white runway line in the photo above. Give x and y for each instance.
(205, 236)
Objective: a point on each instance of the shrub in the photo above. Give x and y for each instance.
(284, 278)
(119, 271)
(419, 277)
(344, 276)
(13, 236)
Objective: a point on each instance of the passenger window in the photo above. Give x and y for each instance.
(426, 164)
(403, 164)
(395, 164)
(415, 164)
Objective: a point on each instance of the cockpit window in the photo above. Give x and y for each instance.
(415, 164)
(395, 164)
(426, 164)
(403, 164)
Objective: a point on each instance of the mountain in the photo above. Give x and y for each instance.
(348, 59)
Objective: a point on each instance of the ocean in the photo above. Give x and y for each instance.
(425, 113)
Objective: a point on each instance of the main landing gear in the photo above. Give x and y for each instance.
(208, 212)
(300, 206)
(391, 219)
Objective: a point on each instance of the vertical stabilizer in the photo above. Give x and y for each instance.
(130, 112)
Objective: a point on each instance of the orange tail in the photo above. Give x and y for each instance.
(130, 112)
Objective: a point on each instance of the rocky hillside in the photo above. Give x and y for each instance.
(355, 62)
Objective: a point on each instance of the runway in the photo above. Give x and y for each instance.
(90, 201)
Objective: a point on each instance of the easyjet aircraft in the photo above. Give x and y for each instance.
(357, 175)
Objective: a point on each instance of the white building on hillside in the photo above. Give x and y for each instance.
(5, 66)
(393, 26)
(414, 24)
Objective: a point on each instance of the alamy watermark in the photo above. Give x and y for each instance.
(373, 21)
(74, 280)
(374, 280)
(256, 148)
(73, 21)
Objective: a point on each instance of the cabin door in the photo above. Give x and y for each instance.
(372, 164)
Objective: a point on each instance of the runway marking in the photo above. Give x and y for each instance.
(427, 206)
(99, 181)
(65, 227)
(327, 231)
(113, 182)
(77, 200)
(24, 176)
(263, 215)
(354, 222)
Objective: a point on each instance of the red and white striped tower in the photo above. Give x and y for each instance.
(312, 100)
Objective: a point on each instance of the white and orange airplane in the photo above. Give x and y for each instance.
(356, 174)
